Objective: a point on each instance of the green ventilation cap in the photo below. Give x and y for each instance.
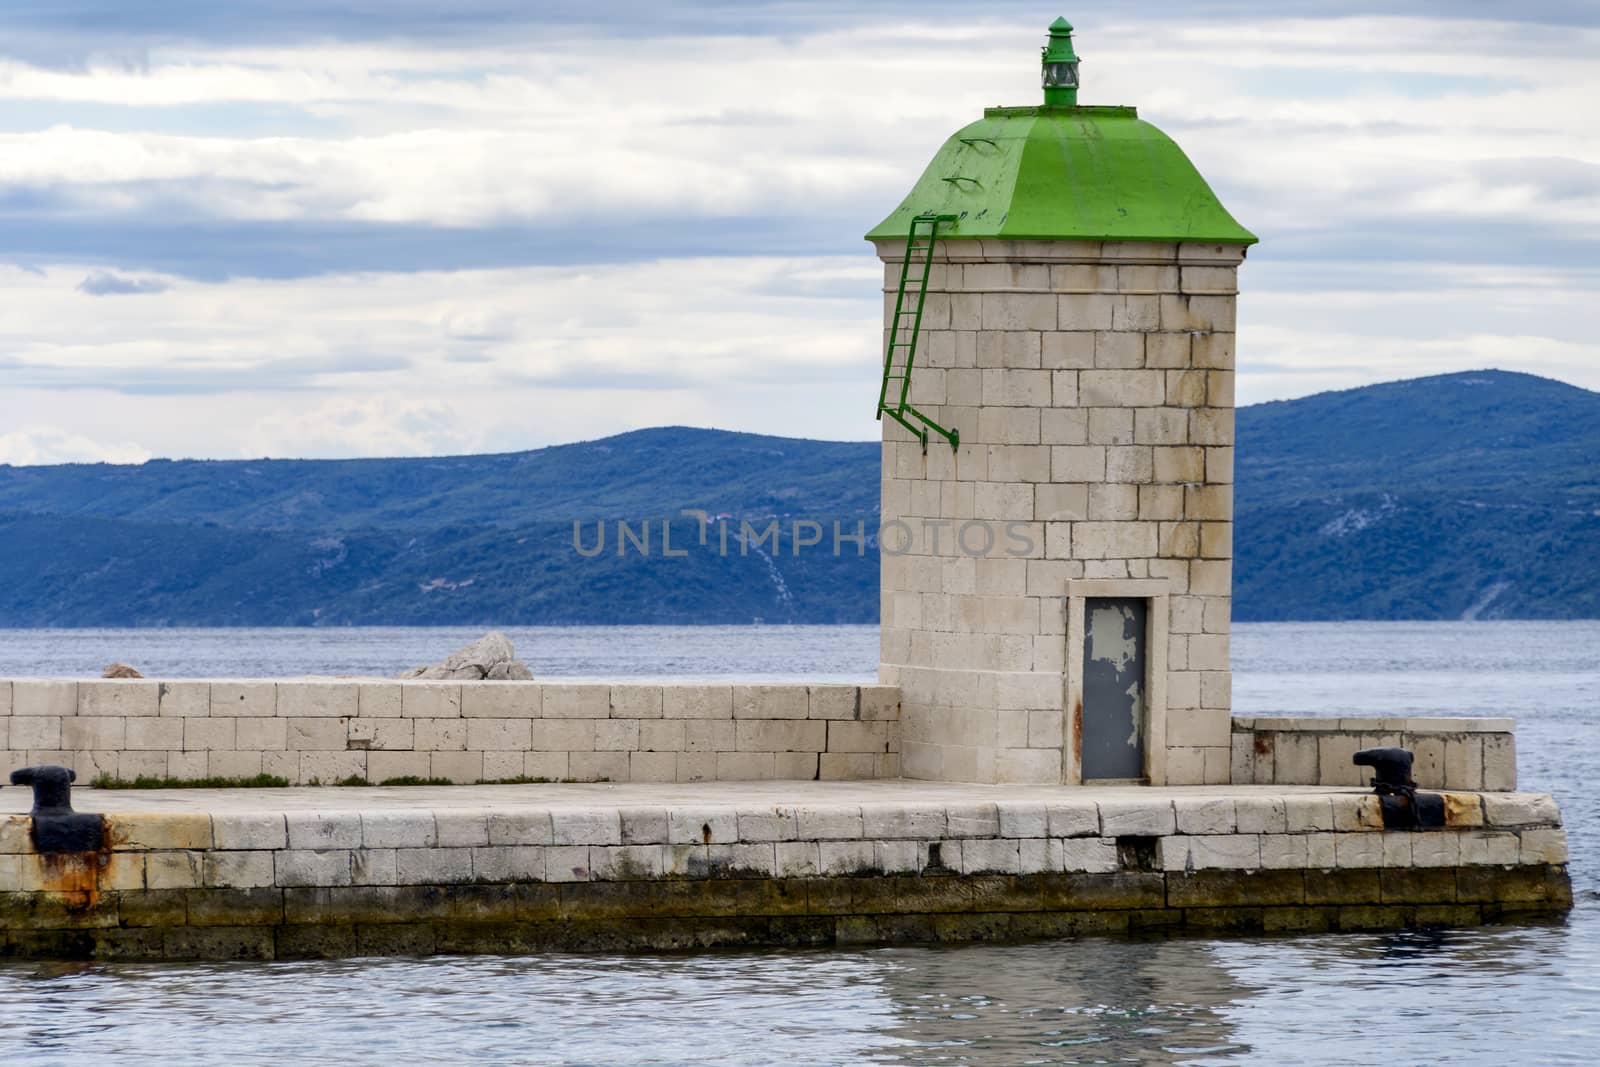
(1063, 172)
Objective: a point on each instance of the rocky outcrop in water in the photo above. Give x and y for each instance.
(490, 658)
(120, 670)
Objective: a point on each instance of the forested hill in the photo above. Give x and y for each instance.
(1471, 495)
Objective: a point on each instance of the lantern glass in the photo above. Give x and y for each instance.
(1061, 75)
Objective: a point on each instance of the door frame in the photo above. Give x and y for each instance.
(1155, 591)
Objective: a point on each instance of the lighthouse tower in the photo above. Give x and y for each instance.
(1057, 408)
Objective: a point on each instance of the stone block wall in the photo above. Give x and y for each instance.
(326, 731)
(525, 876)
(1092, 385)
(1450, 753)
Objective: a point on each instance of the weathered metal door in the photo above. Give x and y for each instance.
(1114, 657)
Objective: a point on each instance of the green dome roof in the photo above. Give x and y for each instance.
(1065, 173)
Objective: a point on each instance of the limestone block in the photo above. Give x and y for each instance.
(697, 766)
(302, 867)
(35, 733)
(697, 701)
(321, 700)
(1130, 464)
(664, 735)
(1137, 818)
(433, 866)
(324, 830)
(462, 768)
(256, 700)
(373, 866)
(598, 766)
(1166, 426)
(1358, 850)
(1489, 847)
(845, 858)
(378, 700)
(1295, 761)
(1356, 812)
(96, 733)
(652, 767)
(625, 863)
(233, 764)
(987, 855)
(1023, 819)
(586, 826)
(1094, 855)
(1084, 311)
(556, 735)
(1172, 853)
(804, 767)
(1499, 763)
(490, 735)
(1110, 426)
(702, 826)
(43, 698)
(1436, 850)
(1113, 540)
(1225, 851)
(118, 698)
(497, 766)
(133, 765)
(885, 821)
(1160, 502)
(496, 700)
(1192, 726)
(1019, 463)
(1115, 351)
(1113, 502)
(1205, 815)
(1067, 351)
(1283, 852)
(1008, 348)
(509, 863)
(1019, 311)
(1017, 388)
(259, 735)
(248, 831)
(613, 735)
(398, 829)
(204, 735)
(1008, 426)
(1543, 846)
(828, 823)
(1321, 853)
(1463, 763)
(1211, 426)
(1122, 388)
(1186, 765)
(1178, 464)
(567, 863)
(1073, 818)
(798, 859)
(1268, 815)
(746, 766)
(898, 857)
(1427, 767)
(461, 829)
(174, 870)
(1521, 809)
(1397, 849)
(450, 735)
(191, 765)
(709, 735)
(382, 766)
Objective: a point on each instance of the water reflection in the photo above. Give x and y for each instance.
(1086, 1001)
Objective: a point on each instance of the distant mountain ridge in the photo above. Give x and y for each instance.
(1460, 495)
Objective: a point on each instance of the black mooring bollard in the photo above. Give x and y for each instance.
(1403, 807)
(56, 827)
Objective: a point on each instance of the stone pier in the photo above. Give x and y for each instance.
(301, 872)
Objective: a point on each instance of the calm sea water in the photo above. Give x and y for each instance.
(1527, 994)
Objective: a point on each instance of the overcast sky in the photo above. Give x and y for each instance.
(293, 228)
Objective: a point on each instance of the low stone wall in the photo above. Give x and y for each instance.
(1452, 753)
(519, 877)
(328, 731)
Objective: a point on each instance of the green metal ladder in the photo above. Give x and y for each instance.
(904, 328)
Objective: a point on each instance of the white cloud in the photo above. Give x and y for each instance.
(50, 444)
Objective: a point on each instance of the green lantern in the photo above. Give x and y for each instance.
(1060, 67)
